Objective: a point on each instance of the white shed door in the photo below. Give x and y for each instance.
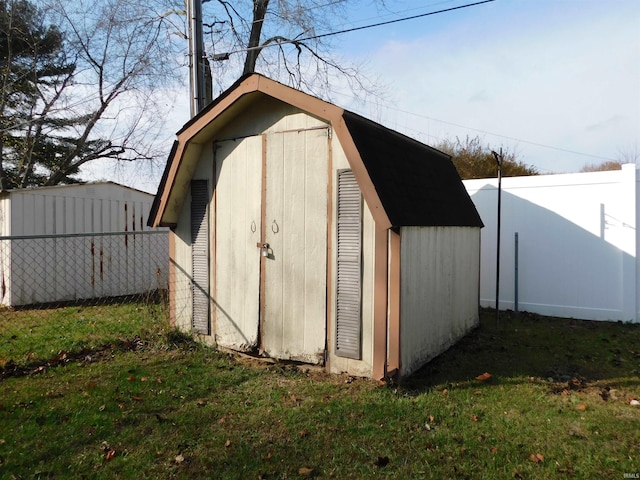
(295, 228)
(272, 193)
(237, 196)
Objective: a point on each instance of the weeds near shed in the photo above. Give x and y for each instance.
(557, 405)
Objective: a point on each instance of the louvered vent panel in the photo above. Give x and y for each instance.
(349, 288)
(200, 256)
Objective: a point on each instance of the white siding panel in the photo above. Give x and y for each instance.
(364, 366)
(180, 286)
(438, 291)
(5, 250)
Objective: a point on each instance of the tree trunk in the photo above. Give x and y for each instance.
(259, 12)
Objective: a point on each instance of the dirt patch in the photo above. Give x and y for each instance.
(9, 368)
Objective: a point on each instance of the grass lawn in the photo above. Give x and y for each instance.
(557, 405)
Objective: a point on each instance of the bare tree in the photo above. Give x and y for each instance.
(603, 166)
(473, 159)
(116, 60)
(113, 58)
(285, 40)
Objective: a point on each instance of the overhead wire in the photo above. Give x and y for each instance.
(515, 139)
(363, 27)
(403, 19)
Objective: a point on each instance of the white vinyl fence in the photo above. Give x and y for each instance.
(576, 244)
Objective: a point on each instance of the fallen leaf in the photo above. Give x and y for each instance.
(304, 433)
(306, 471)
(484, 377)
(536, 457)
(222, 420)
(102, 407)
(445, 391)
(474, 417)
(517, 474)
(582, 407)
(201, 403)
(494, 449)
(432, 418)
(227, 444)
(136, 398)
(109, 454)
(179, 459)
(382, 462)
(131, 378)
(143, 379)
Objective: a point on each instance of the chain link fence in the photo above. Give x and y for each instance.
(50, 271)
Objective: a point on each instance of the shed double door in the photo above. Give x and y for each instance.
(271, 244)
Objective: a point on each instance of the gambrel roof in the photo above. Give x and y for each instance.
(403, 181)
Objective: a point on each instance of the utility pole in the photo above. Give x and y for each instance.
(197, 62)
(499, 158)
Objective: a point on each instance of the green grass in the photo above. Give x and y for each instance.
(32, 336)
(174, 409)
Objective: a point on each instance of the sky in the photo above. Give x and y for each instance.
(557, 82)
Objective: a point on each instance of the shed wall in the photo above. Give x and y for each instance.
(268, 116)
(181, 284)
(364, 366)
(272, 116)
(438, 290)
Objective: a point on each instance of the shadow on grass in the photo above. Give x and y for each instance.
(527, 345)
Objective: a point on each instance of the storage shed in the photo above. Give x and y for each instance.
(303, 231)
(75, 242)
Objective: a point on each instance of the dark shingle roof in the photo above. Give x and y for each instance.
(417, 184)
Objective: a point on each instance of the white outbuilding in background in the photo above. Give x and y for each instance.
(78, 242)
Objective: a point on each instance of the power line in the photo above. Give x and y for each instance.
(363, 27)
(515, 139)
(507, 137)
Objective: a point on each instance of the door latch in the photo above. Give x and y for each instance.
(264, 247)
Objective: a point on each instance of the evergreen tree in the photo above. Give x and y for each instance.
(33, 73)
